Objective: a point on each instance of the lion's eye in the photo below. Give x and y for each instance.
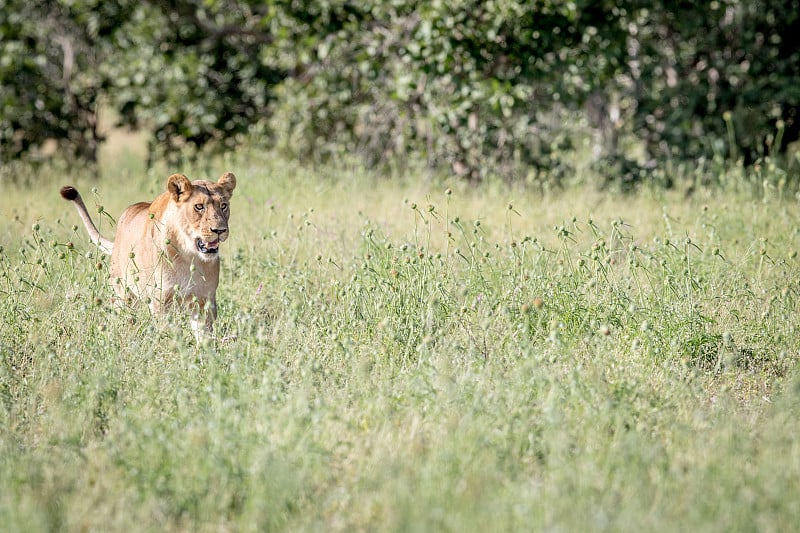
(199, 207)
(224, 206)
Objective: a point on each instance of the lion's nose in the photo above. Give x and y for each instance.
(219, 231)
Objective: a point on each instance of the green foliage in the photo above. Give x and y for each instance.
(50, 76)
(195, 74)
(719, 79)
(471, 86)
(480, 88)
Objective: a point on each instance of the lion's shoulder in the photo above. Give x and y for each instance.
(134, 215)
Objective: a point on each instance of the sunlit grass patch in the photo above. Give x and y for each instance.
(410, 355)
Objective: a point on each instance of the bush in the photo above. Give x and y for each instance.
(506, 87)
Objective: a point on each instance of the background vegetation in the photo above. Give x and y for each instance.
(409, 356)
(505, 87)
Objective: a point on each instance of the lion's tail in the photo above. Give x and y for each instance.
(72, 194)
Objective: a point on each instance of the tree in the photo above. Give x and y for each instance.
(198, 75)
(50, 81)
(726, 74)
(468, 84)
(479, 87)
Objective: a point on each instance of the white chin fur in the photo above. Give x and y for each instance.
(189, 244)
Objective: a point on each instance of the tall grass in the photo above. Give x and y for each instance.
(410, 355)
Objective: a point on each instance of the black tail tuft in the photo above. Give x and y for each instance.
(69, 193)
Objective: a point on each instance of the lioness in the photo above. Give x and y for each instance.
(167, 250)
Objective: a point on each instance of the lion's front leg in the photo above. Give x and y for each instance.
(204, 312)
(211, 313)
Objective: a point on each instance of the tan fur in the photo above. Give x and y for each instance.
(166, 251)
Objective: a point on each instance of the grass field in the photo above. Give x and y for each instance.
(409, 356)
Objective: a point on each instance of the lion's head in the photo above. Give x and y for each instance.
(201, 210)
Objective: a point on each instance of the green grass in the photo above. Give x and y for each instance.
(409, 356)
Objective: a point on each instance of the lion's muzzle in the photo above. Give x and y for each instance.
(210, 247)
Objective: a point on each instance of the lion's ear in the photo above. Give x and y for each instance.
(179, 187)
(228, 182)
